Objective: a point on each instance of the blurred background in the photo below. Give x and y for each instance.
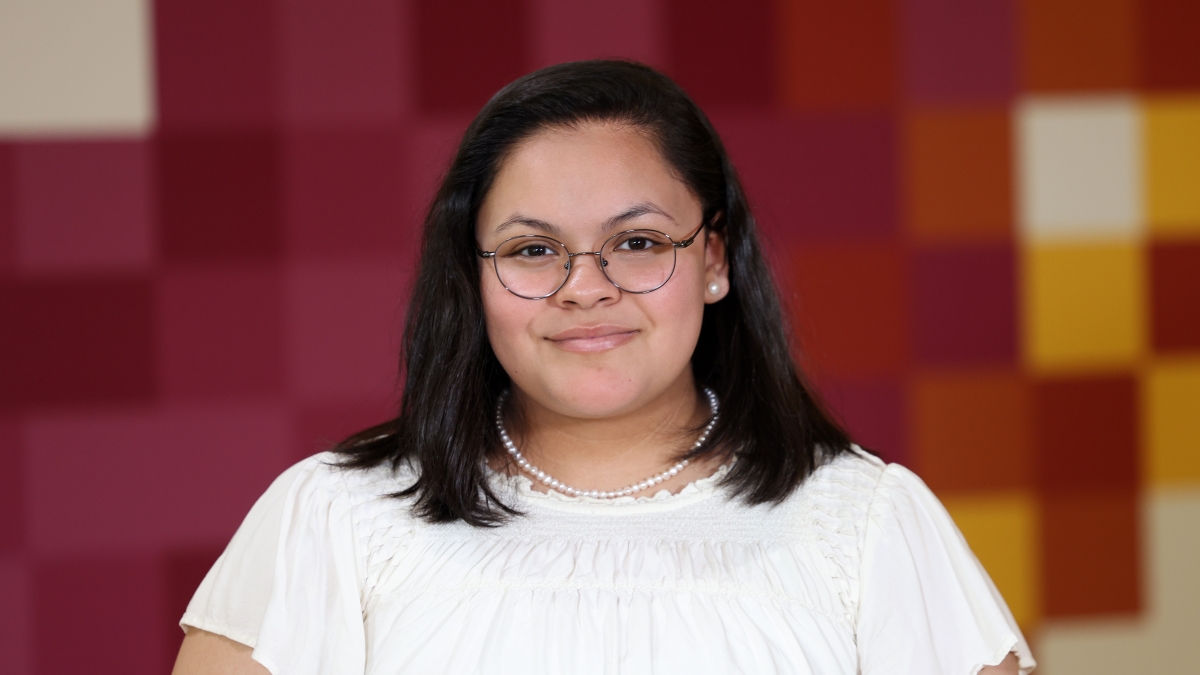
(985, 217)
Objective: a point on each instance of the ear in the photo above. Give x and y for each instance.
(716, 266)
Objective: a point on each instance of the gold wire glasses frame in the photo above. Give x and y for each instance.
(535, 267)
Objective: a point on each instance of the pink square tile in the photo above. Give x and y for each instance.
(817, 177)
(12, 486)
(344, 326)
(84, 206)
(874, 412)
(342, 63)
(320, 427)
(8, 207)
(573, 30)
(16, 616)
(430, 146)
(150, 478)
(343, 195)
(98, 615)
(960, 51)
(220, 331)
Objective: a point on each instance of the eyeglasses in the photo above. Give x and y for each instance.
(534, 266)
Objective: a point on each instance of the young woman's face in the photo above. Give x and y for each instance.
(592, 350)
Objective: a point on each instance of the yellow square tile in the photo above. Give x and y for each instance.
(1083, 305)
(1002, 529)
(1172, 132)
(1171, 422)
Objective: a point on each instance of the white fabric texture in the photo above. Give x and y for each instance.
(860, 570)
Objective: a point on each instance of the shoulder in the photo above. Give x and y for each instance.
(843, 504)
(862, 487)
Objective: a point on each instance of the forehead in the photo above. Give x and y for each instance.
(583, 175)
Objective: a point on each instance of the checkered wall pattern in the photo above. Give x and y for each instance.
(985, 218)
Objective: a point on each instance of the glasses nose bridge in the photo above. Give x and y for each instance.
(599, 256)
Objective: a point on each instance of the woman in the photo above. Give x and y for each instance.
(605, 459)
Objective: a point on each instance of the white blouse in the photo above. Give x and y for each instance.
(860, 570)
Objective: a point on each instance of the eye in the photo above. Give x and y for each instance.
(529, 250)
(533, 251)
(640, 241)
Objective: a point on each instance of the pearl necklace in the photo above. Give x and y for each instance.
(555, 484)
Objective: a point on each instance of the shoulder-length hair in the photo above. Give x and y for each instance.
(770, 419)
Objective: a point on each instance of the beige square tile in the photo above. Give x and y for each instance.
(75, 68)
(1078, 162)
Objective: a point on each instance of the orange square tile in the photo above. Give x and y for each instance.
(959, 174)
(972, 431)
(1078, 44)
(1091, 554)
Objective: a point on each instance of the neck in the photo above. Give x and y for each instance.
(610, 453)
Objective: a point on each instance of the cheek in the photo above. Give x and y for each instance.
(508, 318)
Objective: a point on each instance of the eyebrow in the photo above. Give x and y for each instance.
(635, 211)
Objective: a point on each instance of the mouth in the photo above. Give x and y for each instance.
(592, 338)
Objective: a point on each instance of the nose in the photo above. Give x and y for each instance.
(586, 285)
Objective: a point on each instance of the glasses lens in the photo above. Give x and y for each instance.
(640, 260)
(532, 266)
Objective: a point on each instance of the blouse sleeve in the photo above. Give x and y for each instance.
(926, 605)
(288, 582)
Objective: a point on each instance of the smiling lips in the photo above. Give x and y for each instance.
(592, 338)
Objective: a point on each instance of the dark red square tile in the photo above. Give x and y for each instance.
(220, 331)
(182, 571)
(85, 205)
(839, 54)
(1175, 295)
(960, 51)
(723, 53)
(12, 486)
(87, 340)
(1086, 433)
(342, 195)
(1169, 49)
(852, 309)
(219, 196)
(1091, 545)
(216, 63)
(817, 177)
(342, 63)
(964, 305)
(111, 609)
(466, 50)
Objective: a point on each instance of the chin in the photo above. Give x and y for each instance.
(593, 395)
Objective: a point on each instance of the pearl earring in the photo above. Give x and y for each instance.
(714, 287)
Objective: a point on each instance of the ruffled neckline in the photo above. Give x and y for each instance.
(522, 485)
